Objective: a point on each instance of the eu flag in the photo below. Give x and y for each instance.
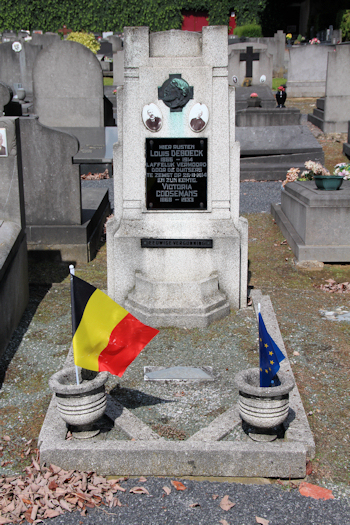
(270, 356)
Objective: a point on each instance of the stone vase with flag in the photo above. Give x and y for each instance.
(264, 391)
(106, 338)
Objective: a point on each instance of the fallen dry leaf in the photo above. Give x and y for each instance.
(139, 490)
(226, 504)
(215, 496)
(167, 490)
(223, 522)
(194, 505)
(296, 352)
(314, 491)
(6, 438)
(262, 521)
(142, 479)
(4, 520)
(178, 485)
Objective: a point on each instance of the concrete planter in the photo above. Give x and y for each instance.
(80, 405)
(263, 407)
(328, 182)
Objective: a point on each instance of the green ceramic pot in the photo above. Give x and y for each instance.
(328, 183)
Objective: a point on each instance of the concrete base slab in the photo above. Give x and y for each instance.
(212, 451)
(77, 242)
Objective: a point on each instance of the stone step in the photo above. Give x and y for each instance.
(320, 103)
(318, 113)
(316, 121)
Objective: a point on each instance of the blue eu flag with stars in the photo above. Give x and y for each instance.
(270, 356)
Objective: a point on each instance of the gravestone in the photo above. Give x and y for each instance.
(246, 60)
(177, 248)
(44, 40)
(61, 216)
(14, 291)
(68, 95)
(17, 64)
(118, 60)
(307, 70)
(68, 86)
(332, 112)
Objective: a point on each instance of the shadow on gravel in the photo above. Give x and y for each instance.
(131, 398)
(36, 295)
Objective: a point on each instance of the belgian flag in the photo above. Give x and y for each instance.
(105, 336)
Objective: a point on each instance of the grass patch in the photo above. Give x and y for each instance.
(108, 81)
(276, 82)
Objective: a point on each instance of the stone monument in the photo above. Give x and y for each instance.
(176, 247)
(14, 290)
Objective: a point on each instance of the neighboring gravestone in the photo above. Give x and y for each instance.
(17, 62)
(5, 96)
(118, 60)
(68, 86)
(60, 215)
(307, 70)
(45, 40)
(315, 222)
(14, 290)
(177, 248)
(246, 60)
(332, 112)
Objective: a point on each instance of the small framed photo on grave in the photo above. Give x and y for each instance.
(3, 143)
(199, 116)
(152, 117)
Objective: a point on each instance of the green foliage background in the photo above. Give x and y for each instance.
(114, 15)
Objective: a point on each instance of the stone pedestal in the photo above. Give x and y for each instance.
(179, 286)
(315, 222)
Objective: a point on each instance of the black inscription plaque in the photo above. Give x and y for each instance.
(176, 243)
(176, 174)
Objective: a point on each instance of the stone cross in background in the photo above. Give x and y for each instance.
(248, 58)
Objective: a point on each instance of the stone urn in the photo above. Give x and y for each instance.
(263, 407)
(80, 406)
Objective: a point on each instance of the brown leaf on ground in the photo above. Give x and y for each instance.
(167, 490)
(215, 496)
(314, 491)
(139, 490)
(262, 521)
(194, 505)
(226, 504)
(178, 485)
(6, 438)
(223, 522)
(142, 479)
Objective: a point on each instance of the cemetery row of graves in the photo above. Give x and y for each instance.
(191, 118)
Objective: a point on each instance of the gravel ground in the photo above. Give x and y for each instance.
(270, 502)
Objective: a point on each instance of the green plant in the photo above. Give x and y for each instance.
(345, 25)
(86, 39)
(249, 30)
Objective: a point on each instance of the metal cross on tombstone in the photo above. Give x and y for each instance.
(248, 58)
(64, 30)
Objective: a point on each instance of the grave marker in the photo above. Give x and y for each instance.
(177, 248)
